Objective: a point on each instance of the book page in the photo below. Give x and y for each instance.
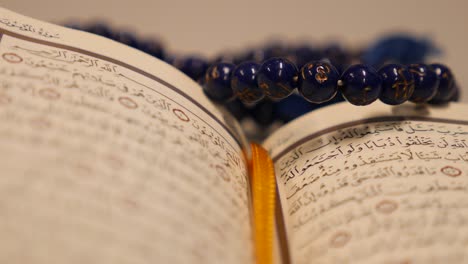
(111, 156)
(375, 184)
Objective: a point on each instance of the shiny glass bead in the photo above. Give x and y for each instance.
(217, 83)
(426, 83)
(244, 82)
(397, 84)
(318, 82)
(277, 77)
(361, 85)
(446, 87)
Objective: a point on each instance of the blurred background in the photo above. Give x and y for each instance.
(208, 27)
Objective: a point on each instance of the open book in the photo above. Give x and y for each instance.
(108, 155)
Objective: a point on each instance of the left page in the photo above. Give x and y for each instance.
(108, 155)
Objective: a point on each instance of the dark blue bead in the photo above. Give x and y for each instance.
(277, 77)
(361, 85)
(397, 84)
(426, 83)
(446, 87)
(244, 82)
(217, 84)
(194, 66)
(318, 82)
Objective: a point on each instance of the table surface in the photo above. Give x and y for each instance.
(209, 26)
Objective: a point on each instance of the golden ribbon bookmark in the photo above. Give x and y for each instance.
(264, 198)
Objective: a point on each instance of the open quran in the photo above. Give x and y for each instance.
(108, 155)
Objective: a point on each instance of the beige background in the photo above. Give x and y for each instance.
(210, 26)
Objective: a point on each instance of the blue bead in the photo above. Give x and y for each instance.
(244, 82)
(426, 83)
(361, 85)
(318, 82)
(446, 87)
(277, 77)
(397, 84)
(217, 83)
(194, 66)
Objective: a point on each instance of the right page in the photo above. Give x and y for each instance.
(374, 184)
